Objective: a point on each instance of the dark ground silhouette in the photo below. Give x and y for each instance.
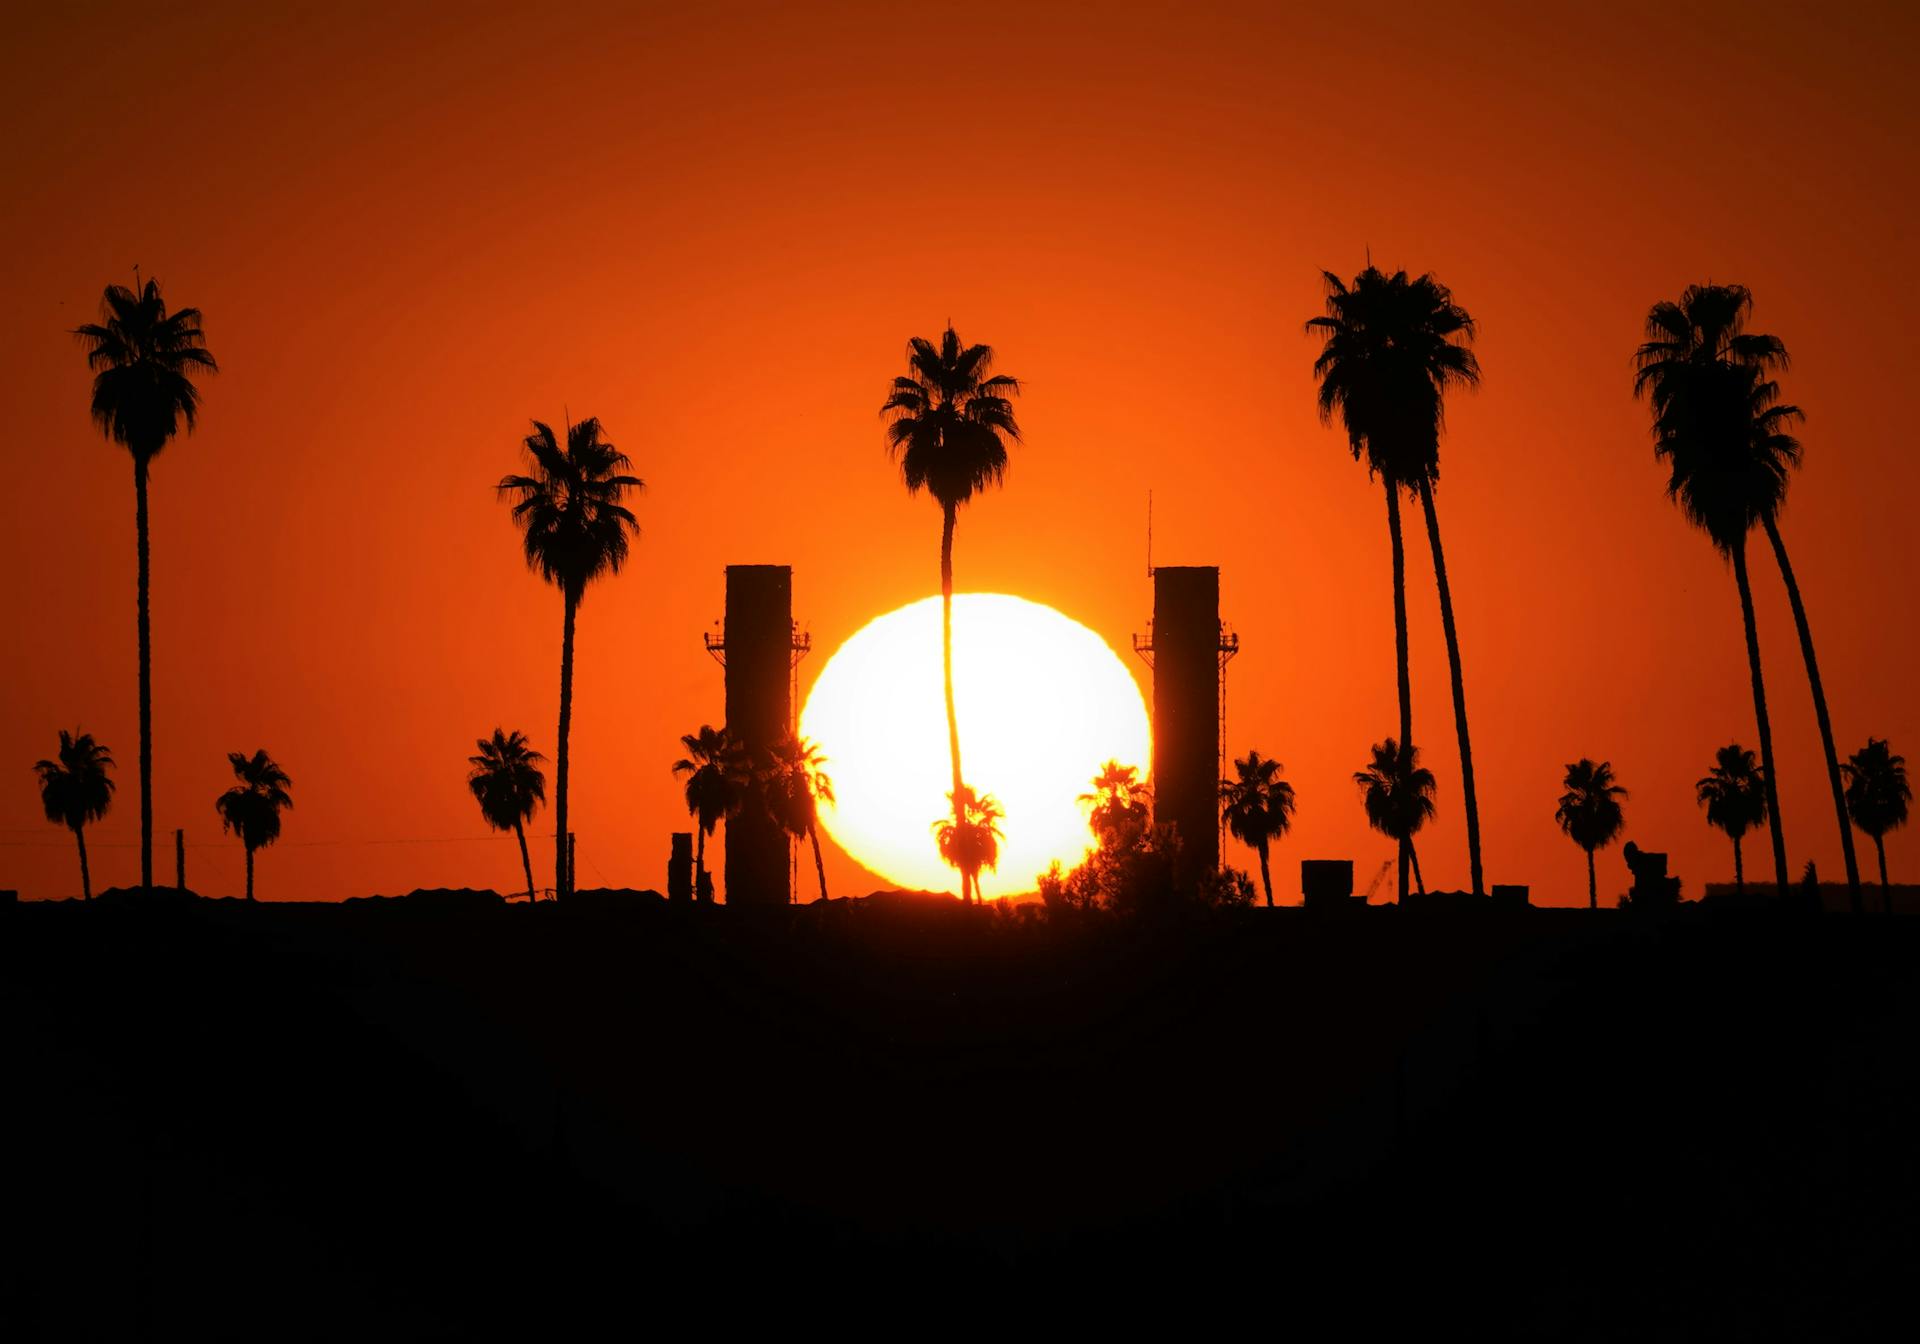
(439, 1119)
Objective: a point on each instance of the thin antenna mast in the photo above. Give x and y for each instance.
(1149, 534)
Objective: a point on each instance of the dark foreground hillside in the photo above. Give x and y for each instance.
(376, 1121)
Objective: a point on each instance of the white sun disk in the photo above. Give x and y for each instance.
(1042, 701)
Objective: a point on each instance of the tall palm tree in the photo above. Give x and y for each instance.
(1257, 806)
(574, 529)
(795, 785)
(1590, 814)
(1397, 792)
(144, 360)
(715, 788)
(251, 809)
(1391, 348)
(1735, 796)
(1721, 427)
(970, 838)
(1120, 806)
(75, 789)
(949, 420)
(1877, 798)
(507, 782)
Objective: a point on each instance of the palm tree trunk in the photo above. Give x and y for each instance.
(1400, 643)
(1419, 882)
(86, 879)
(819, 868)
(1739, 871)
(249, 849)
(1819, 710)
(1467, 790)
(1886, 892)
(146, 673)
(947, 521)
(1760, 716)
(1266, 874)
(560, 874)
(526, 864)
(1593, 886)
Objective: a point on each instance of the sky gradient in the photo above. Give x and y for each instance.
(716, 231)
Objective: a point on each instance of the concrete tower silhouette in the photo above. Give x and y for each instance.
(756, 648)
(1188, 650)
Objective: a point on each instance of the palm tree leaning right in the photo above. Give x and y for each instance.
(794, 785)
(1391, 349)
(1257, 806)
(949, 420)
(1735, 796)
(1589, 812)
(1397, 792)
(1877, 798)
(574, 529)
(507, 782)
(75, 789)
(251, 809)
(144, 360)
(715, 789)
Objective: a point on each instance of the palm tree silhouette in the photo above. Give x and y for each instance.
(251, 809)
(1877, 798)
(794, 785)
(76, 789)
(970, 839)
(1720, 426)
(574, 529)
(1589, 812)
(1735, 796)
(1120, 807)
(1257, 806)
(144, 360)
(1391, 349)
(507, 783)
(949, 420)
(716, 788)
(1397, 792)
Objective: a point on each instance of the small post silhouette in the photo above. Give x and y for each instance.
(573, 857)
(180, 858)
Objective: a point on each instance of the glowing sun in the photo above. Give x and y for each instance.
(1043, 702)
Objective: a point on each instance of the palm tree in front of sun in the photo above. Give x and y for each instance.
(1391, 349)
(794, 785)
(76, 790)
(574, 529)
(1877, 799)
(949, 421)
(1397, 793)
(716, 787)
(1735, 796)
(1590, 813)
(507, 782)
(1257, 806)
(969, 840)
(1119, 807)
(251, 808)
(144, 360)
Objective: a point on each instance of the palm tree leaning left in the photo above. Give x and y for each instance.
(573, 530)
(1877, 799)
(75, 789)
(716, 787)
(1735, 797)
(251, 809)
(949, 420)
(1257, 806)
(507, 782)
(1397, 793)
(144, 360)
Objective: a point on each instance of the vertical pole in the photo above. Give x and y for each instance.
(573, 857)
(180, 858)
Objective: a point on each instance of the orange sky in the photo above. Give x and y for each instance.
(715, 230)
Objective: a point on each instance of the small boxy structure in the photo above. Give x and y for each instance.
(758, 641)
(1326, 883)
(680, 867)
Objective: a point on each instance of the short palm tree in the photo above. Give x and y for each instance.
(1120, 806)
(76, 789)
(716, 786)
(1590, 814)
(1877, 798)
(949, 420)
(574, 529)
(1391, 349)
(1735, 796)
(1722, 429)
(507, 782)
(251, 809)
(144, 360)
(1257, 806)
(970, 839)
(794, 786)
(1397, 792)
